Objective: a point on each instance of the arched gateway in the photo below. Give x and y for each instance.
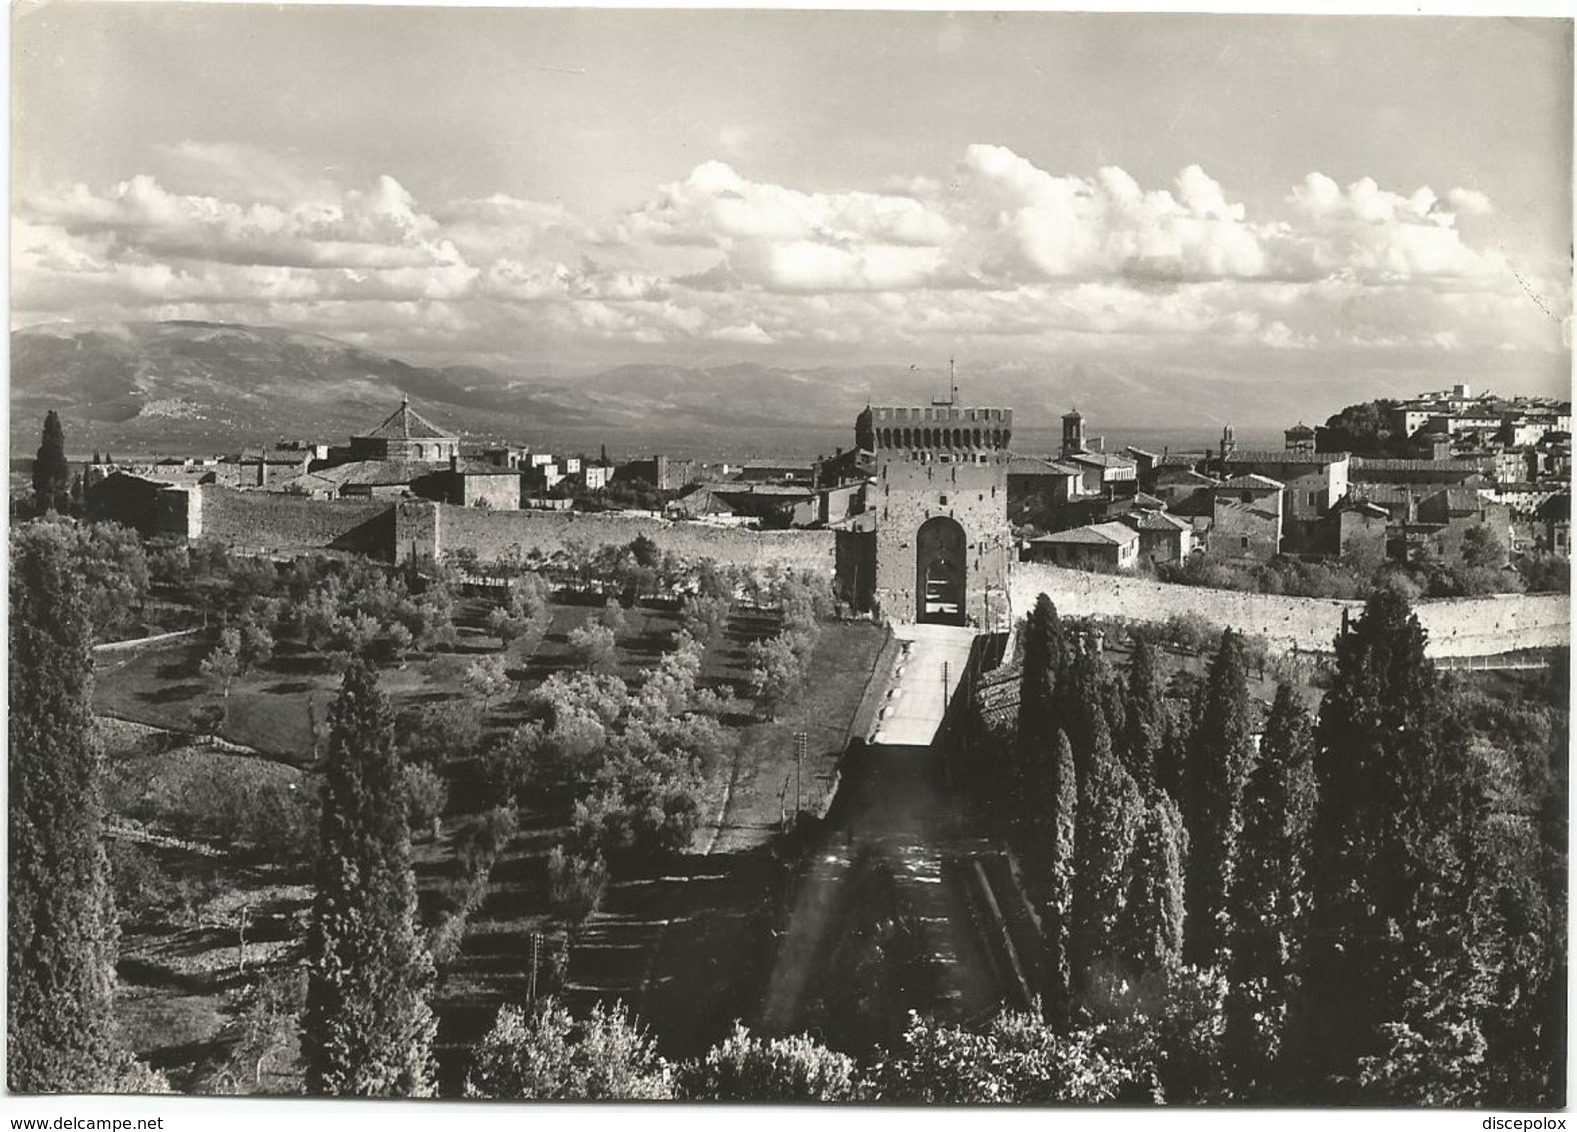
(932, 540)
(941, 571)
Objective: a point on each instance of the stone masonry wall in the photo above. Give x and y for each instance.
(1479, 626)
(271, 521)
(435, 528)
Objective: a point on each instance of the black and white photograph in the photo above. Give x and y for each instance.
(860, 557)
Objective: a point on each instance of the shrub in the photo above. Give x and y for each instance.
(550, 1055)
(258, 806)
(576, 884)
(1545, 573)
(487, 678)
(437, 734)
(612, 617)
(779, 667)
(592, 648)
(477, 848)
(1017, 1059)
(755, 1070)
(425, 796)
(482, 841)
(705, 617)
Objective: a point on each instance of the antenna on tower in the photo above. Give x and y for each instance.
(952, 388)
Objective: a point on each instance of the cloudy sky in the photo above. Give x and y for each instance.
(590, 187)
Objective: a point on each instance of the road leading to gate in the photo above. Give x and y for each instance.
(930, 665)
(896, 814)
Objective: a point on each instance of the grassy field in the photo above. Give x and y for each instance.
(752, 798)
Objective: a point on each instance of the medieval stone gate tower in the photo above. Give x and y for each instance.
(941, 544)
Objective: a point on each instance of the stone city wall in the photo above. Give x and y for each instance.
(437, 528)
(1479, 626)
(271, 521)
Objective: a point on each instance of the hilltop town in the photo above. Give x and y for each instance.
(1445, 478)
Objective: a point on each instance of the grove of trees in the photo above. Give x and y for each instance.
(1255, 905)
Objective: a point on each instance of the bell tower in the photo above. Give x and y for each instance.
(1072, 433)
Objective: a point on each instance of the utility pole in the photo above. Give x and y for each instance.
(240, 937)
(801, 741)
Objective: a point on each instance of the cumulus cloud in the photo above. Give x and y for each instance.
(997, 249)
(1470, 202)
(373, 228)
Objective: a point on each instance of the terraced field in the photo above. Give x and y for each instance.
(679, 938)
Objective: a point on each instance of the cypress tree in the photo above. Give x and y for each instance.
(1045, 655)
(368, 1027)
(1144, 728)
(1080, 707)
(1218, 763)
(1114, 705)
(1151, 930)
(59, 1023)
(1057, 909)
(51, 471)
(1390, 990)
(1109, 812)
(1172, 756)
(1269, 898)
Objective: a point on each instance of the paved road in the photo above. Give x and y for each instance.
(930, 664)
(899, 822)
(899, 816)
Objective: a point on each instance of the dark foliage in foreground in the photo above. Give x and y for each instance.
(61, 1034)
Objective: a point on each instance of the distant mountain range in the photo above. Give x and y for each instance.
(211, 387)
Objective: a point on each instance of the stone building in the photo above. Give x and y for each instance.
(1173, 484)
(1314, 482)
(1162, 537)
(1358, 529)
(934, 544)
(659, 471)
(1554, 525)
(1300, 438)
(150, 504)
(1105, 473)
(1099, 546)
(406, 435)
(1100, 472)
(1246, 517)
(473, 484)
